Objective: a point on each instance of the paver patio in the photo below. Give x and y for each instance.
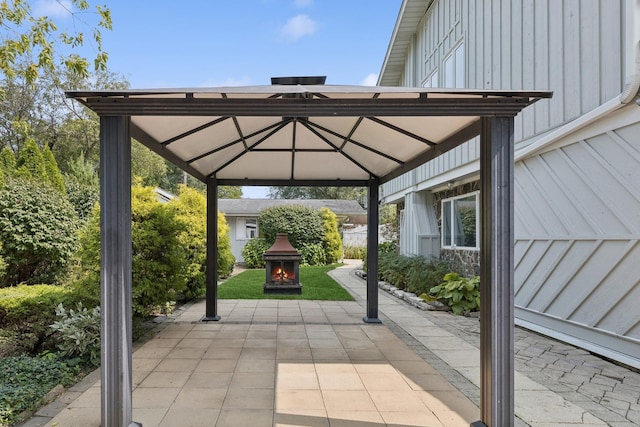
(283, 363)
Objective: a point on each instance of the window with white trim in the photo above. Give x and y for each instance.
(252, 228)
(453, 68)
(460, 222)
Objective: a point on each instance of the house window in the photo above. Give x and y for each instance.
(460, 222)
(432, 80)
(251, 226)
(453, 67)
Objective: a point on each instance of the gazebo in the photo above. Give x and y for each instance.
(298, 131)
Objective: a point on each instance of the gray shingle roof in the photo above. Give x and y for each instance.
(242, 207)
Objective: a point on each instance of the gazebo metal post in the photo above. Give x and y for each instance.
(372, 251)
(211, 309)
(115, 277)
(496, 273)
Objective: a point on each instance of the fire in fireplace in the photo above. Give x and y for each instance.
(282, 267)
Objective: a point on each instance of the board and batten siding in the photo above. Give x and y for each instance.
(577, 230)
(572, 47)
(577, 206)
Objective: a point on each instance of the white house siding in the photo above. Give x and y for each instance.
(577, 212)
(573, 47)
(577, 209)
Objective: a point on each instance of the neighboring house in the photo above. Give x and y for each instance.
(577, 156)
(242, 216)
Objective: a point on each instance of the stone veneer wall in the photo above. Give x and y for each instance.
(464, 261)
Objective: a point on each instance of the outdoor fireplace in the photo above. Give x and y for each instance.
(282, 267)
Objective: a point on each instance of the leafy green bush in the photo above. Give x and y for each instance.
(29, 309)
(3, 264)
(252, 252)
(38, 228)
(388, 247)
(81, 196)
(25, 380)
(159, 261)
(331, 241)
(78, 332)
(302, 224)
(411, 273)
(312, 254)
(462, 294)
(191, 208)
(355, 252)
(82, 185)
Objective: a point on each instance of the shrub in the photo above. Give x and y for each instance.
(25, 380)
(355, 252)
(29, 309)
(82, 197)
(3, 264)
(388, 247)
(82, 185)
(191, 208)
(78, 333)
(411, 273)
(312, 254)
(30, 162)
(53, 175)
(253, 251)
(7, 162)
(38, 229)
(159, 263)
(331, 241)
(462, 294)
(302, 224)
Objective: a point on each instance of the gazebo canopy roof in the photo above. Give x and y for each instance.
(310, 134)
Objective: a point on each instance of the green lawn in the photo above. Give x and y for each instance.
(316, 285)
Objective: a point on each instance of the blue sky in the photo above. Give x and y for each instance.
(245, 42)
(196, 43)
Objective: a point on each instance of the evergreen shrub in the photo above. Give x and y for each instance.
(28, 310)
(252, 252)
(331, 241)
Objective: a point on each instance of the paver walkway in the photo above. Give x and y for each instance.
(311, 363)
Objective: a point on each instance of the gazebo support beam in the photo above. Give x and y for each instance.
(372, 251)
(496, 273)
(211, 309)
(115, 277)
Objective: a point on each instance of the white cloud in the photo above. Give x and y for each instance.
(298, 27)
(302, 3)
(53, 8)
(370, 80)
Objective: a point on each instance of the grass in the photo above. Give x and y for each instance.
(316, 285)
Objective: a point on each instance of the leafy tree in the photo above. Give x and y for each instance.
(302, 224)
(38, 230)
(30, 163)
(339, 193)
(38, 38)
(191, 208)
(147, 165)
(331, 241)
(54, 177)
(229, 192)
